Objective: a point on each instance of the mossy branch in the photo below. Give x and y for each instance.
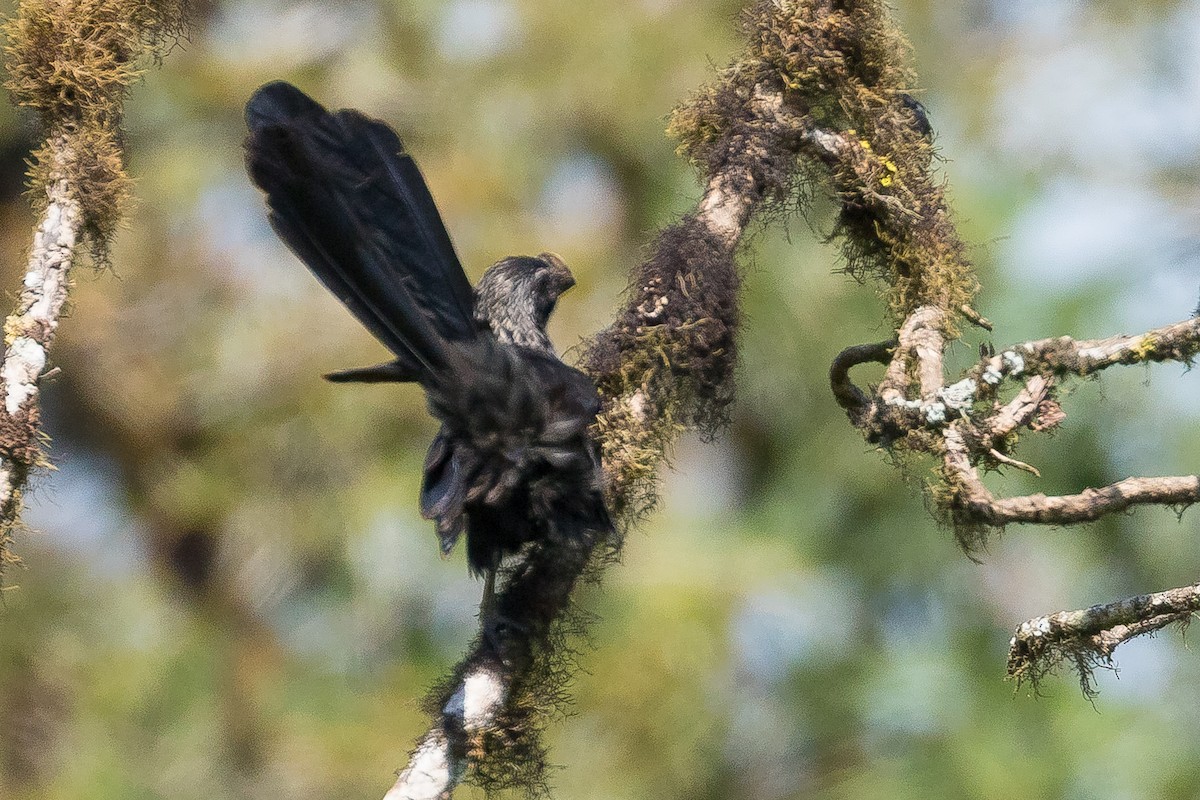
(966, 427)
(842, 68)
(72, 61)
(665, 364)
(841, 71)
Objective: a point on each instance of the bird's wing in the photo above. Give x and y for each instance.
(353, 206)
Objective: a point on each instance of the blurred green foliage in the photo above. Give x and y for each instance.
(228, 592)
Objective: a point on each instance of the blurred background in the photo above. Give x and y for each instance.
(227, 590)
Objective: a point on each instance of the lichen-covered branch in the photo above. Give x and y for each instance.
(1066, 356)
(1087, 638)
(28, 332)
(844, 73)
(968, 427)
(72, 61)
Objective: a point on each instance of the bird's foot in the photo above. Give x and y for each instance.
(503, 635)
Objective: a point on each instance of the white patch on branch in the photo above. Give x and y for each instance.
(478, 700)
(829, 142)
(637, 406)
(900, 402)
(658, 306)
(31, 327)
(959, 396)
(723, 210)
(1014, 362)
(431, 772)
(29, 330)
(24, 360)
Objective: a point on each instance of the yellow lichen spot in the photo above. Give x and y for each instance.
(1146, 347)
(890, 175)
(865, 144)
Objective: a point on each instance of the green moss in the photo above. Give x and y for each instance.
(667, 362)
(73, 61)
(844, 68)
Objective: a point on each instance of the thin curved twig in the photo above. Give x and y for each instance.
(847, 395)
(1092, 634)
(976, 503)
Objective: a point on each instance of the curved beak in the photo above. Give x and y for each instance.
(559, 272)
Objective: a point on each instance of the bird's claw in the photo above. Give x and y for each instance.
(500, 633)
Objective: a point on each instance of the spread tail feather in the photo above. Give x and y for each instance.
(353, 206)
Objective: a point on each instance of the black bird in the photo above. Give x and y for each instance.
(514, 462)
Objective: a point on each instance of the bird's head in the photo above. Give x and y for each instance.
(516, 296)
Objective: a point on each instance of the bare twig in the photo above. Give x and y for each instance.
(1013, 462)
(849, 396)
(1089, 637)
(1019, 411)
(975, 503)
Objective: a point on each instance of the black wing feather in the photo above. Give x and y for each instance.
(354, 208)
(429, 254)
